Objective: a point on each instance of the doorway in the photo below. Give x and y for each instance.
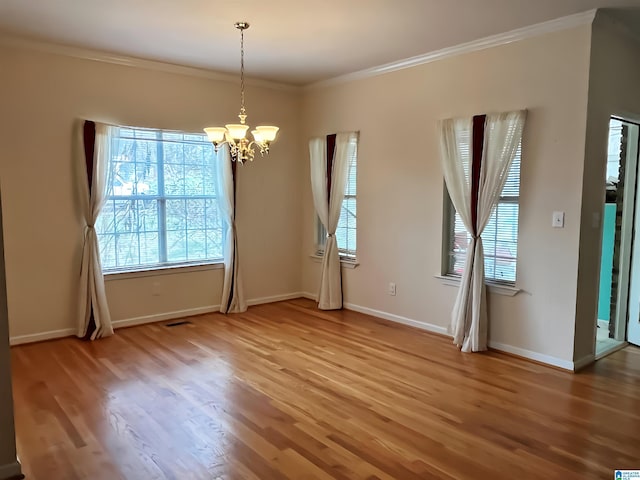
(619, 292)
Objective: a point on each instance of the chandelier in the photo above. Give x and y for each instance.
(234, 134)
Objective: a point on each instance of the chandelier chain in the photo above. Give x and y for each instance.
(242, 109)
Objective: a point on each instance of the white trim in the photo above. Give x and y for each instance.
(274, 298)
(40, 337)
(10, 470)
(531, 355)
(625, 261)
(130, 322)
(158, 66)
(144, 319)
(583, 362)
(497, 288)
(608, 351)
(550, 26)
(163, 270)
(527, 354)
(521, 352)
(160, 317)
(398, 319)
(558, 24)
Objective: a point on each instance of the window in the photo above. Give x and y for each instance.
(161, 207)
(500, 236)
(347, 224)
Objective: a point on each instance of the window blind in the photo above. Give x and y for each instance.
(346, 232)
(500, 236)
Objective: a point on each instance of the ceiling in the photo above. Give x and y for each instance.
(290, 41)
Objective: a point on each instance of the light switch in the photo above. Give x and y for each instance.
(558, 220)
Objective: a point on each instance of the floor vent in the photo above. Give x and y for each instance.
(179, 322)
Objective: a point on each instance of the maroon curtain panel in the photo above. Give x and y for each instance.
(479, 122)
(89, 149)
(331, 147)
(234, 174)
(331, 152)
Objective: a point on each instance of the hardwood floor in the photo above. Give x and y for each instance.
(287, 392)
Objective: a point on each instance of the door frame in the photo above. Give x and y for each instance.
(631, 197)
(629, 220)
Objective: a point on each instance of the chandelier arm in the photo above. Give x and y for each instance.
(262, 146)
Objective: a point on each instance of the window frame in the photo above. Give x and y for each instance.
(164, 265)
(321, 240)
(449, 231)
(321, 232)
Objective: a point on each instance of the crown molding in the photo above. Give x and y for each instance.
(123, 60)
(563, 23)
(558, 24)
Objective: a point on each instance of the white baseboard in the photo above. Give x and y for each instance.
(429, 327)
(160, 317)
(583, 362)
(10, 470)
(39, 337)
(387, 316)
(274, 298)
(531, 355)
(528, 354)
(521, 352)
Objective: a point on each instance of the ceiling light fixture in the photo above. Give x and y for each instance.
(234, 134)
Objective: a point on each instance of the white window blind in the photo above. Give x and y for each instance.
(346, 232)
(161, 208)
(613, 154)
(500, 236)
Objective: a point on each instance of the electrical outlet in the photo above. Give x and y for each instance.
(155, 289)
(392, 288)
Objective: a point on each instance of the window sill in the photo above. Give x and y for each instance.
(344, 263)
(162, 270)
(497, 288)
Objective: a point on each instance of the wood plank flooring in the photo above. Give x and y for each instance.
(287, 392)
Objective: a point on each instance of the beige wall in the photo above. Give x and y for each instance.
(8, 464)
(614, 89)
(401, 188)
(40, 96)
(400, 185)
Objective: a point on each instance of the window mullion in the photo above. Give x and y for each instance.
(494, 254)
(162, 203)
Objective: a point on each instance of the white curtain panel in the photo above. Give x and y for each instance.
(318, 156)
(503, 133)
(92, 296)
(456, 164)
(328, 210)
(232, 300)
